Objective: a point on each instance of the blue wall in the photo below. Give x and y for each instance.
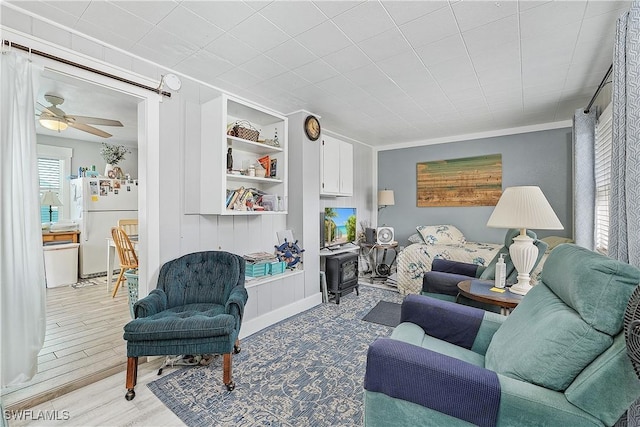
(537, 158)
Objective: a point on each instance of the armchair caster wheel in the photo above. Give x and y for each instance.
(231, 386)
(236, 349)
(130, 394)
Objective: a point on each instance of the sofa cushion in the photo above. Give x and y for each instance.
(595, 286)
(544, 342)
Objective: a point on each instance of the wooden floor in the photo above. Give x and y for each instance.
(83, 343)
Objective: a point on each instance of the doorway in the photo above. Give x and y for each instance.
(98, 89)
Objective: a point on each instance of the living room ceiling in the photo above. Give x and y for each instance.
(381, 72)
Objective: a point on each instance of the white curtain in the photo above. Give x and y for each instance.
(624, 225)
(22, 284)
(584, 184)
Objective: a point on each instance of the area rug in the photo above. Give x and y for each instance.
(384, 313)
(307, 370)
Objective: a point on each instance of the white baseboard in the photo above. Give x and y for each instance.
(252, 326)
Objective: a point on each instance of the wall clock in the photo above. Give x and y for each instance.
(312, 128)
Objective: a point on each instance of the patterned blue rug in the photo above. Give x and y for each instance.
(307, 370)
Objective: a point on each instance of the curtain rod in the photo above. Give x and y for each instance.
(84, 67)
(602, 83)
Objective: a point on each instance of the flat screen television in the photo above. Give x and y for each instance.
(339, 226)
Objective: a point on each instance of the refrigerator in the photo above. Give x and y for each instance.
(97, 204)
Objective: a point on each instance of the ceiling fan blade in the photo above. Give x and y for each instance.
(90, 129)
(46, 109)
(93, 120)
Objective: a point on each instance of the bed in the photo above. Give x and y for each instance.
(446, 242)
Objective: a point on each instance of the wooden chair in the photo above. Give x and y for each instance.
(126, 253)
(129, 225)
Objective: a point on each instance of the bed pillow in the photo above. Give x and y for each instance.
(554, 241)
(441, 235)
(415, 238)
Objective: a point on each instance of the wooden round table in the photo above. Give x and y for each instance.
(478, 290)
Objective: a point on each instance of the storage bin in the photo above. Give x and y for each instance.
(256, 270)
(61, 264)
(277, 267)
(132, 286)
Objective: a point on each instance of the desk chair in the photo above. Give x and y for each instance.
(129, 225)
(126, 253)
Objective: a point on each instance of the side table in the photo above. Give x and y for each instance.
(479, 290)
(377, 262)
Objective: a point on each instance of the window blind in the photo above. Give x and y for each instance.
(50, 178)
(602, 171)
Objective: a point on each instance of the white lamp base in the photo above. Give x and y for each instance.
(523, 254)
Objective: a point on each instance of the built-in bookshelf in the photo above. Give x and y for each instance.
(253, 181)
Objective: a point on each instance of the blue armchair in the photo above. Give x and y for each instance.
(196, 308)
(442, 281)
(558, 359)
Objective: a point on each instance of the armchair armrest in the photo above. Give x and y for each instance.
(235, 304)
(454, 267)
(448, 321)
(442, 383)
(153, 303)
(442, 283)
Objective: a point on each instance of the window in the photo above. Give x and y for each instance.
(604, 136)
(54, 164)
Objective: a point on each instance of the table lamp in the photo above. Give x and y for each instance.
(51, 199)
(523, 207)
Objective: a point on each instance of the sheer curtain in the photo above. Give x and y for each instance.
(584, 196)
(22, 284)
(624, 226)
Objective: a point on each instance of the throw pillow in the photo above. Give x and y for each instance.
(441, 235)
(415, 238)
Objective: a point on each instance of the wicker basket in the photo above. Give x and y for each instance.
(243, 129)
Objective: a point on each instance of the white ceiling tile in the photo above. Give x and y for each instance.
(456, 68)
(291, 54)
(364, 21)
(240, 78)
(201, 32)
(150, 11)
(173, 49)
(530, 4)
(595, 8)
(120, 22)
(87, 47)
(288, 81)
(384, 45)
(224, 14)
(405, 65)
(263, 67)
(75, 8)
(293, 17)
(347, 59)
(339, 85)
(490, 37)
(316, 71)
(233, 50)
(405, 11)
(442, 50)
(551, 16)
(474, 14)
(204, 65)
(430, 28)
(335, 8)
(504, 57)
(259, 33)
(324, 39)
(101, 33)
(47, 9)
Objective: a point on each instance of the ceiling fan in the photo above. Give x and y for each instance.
(54, 118)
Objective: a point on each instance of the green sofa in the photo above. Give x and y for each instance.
(559, 359)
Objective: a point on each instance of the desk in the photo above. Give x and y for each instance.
(111, 252)
(380, 270)
(60, 236)
(478, 290)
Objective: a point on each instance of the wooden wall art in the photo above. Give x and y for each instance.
(469, 181)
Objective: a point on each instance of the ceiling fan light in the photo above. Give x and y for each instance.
(53, 123)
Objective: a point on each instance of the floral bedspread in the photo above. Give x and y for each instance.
(416, 259)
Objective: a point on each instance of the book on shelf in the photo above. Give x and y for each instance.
(257, 257)
(234, 197)
(265, 162)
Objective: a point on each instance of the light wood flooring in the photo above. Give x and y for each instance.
(83, 343)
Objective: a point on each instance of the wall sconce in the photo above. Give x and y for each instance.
(385, 198)
(171, 81)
